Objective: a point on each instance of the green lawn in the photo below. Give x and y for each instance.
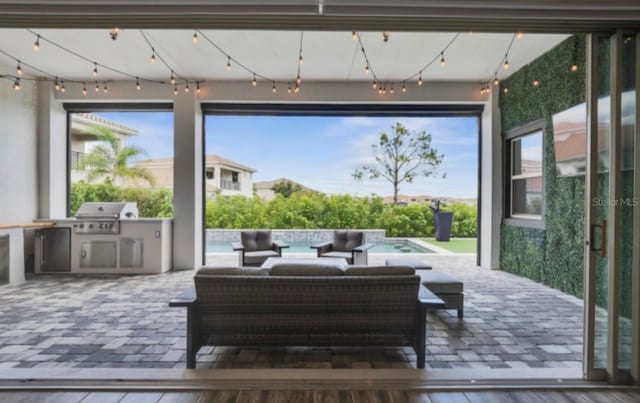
(458, 245)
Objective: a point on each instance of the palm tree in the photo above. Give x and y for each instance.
(111, 161)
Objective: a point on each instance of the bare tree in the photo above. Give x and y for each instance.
(401, 157)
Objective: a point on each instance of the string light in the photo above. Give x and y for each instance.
(228, 63)
(375, 84)
(574, 67)
(354, 35)
(153, 55)
(105, 89)
(84, 89)
(289, 88)
(36, 44)
(296, 88)
(496, 82)
(536, 83)
(404, 87)
(95, 69)
(420, 79)
(442, 62)
(385, 37)
(366, 69)
(186, 87)
(254, 82)
(16, 84)
(138, 84)
(391, 90)
(506, 63)
(19, 69)
(273, 88)
(300, 60)
(519, 35)
(57, 84)
(114, 33)
(97, 87)
(298, 79)
(198, 88)
(175, 90)
(62, 89)
(173, 78)
(505, 90)
(194, 38)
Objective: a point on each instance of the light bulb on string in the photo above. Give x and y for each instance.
(442, 62)
(391, 89)
(57, 85)
(420, 79)
(97, 87)
(298, 79)
(194, 38)
(273, 87)
(186, 87)
(506, 63)
(289, 88)
(105, 89)
(296, 88)
(16, 84)
(138, 84)
(505, 90)
(36, 44)
(153, 56)
(254, 82)
(198, 88)
(175, 90)
(300, 60)
(366, 69)
(404, 87)
(354, 35)
(84, 89)
(173, 78)
(228, 63)
(385, 37)
(19, 69)
(519, 35)
(574, 67)
(95, 69)
(536, 83)
(62, 89)
(375, 84)
(496, 82)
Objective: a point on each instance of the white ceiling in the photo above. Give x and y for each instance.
(331, 56)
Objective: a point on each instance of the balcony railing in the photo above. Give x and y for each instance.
(230, 185)
(76, 157)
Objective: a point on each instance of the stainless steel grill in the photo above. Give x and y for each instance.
(103, 218)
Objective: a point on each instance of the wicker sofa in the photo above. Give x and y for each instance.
(297, 305)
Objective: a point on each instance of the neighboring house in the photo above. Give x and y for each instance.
(264, 190)
(222, 176)
(82, 141)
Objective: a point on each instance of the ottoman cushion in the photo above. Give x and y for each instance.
(403, 261)
(441, 283)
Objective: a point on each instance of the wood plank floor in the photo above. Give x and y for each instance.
(331, 396)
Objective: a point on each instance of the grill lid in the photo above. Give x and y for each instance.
(107, 210)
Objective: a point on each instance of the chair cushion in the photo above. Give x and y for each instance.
(259, 256)
(256, 240)
(441, 283)
(289, 269)
(347, 240)
(230, 271)
(403, 261)
(346, 255)
(379, 271)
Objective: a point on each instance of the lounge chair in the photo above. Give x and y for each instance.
(347, 244)
(256, 246)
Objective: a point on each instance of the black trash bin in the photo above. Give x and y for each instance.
(442, 221)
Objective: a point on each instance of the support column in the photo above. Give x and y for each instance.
(188, 223)
(52, 154)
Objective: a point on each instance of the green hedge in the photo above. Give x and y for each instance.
(151, 202)
(320, 211)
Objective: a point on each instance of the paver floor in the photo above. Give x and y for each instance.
(124, 321)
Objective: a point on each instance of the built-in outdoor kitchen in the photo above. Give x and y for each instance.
(105, 238)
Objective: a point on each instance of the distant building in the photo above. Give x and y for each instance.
(407, 200)
(264, 190)
(222, 176)
(82, 140)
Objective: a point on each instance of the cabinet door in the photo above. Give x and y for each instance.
(131, 252)
(99, 254)
(55, 244)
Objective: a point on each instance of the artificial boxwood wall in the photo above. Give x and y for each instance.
(553, 255)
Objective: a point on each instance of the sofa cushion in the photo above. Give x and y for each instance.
(379, 271)
(346, 255)
(347, 240)
(289, 269)
(259, 256)
(440, 283)
(256, 240)
(230, 271)
(404, 261)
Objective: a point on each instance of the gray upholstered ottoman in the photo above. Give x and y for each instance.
(404, 261)
(447, 288)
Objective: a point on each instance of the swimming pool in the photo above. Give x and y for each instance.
(389, 246)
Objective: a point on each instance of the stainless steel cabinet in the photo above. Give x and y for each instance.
(98, 254)
(53, 250)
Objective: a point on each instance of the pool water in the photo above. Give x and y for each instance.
(390, 246)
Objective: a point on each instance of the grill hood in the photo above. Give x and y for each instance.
(107, 211)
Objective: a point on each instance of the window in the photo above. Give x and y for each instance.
(210, 174)
(234, 177)
(525, 183)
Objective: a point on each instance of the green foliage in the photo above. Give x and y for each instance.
(318, 211)
(401, 157)
(553, 255)
(151, 202)
(286, 188)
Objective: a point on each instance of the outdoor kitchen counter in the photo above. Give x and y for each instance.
(15, 232)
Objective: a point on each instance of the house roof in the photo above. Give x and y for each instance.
(212, 159)
(94, 120)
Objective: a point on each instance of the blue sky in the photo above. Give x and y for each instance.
(320, 152)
